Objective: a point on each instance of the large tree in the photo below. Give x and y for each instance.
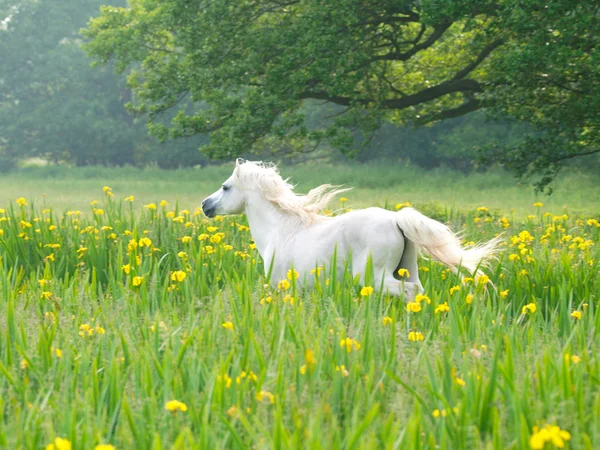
(249, 66)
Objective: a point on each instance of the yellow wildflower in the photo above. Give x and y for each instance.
(576, 315)
(225, 379)
(126, 268)
(178, 275)
(309, 358)
(267, 299)
(402, 205)
(482, 279)
(265, 395)
(175, 406)
(21, 201)
(469, 299)
(151, 206)
(228, 326)
(350, 344)
(145, 242)
(548, 433)
(366, 291)
(538, 204)
(422, 298)
(531, 307)
(283, 285)
(415, 336)
(504, 294)
(137, 281)
(387, 321)
(442, 308)
(342, 370)
(404, 273)
(292, 274)
(59, 444)
(413, 307)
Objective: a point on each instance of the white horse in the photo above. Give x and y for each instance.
(290, 233)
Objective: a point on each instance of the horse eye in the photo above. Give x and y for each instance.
(225, 188)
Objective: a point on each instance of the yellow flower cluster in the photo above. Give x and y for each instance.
(548, 434)
(86, 330)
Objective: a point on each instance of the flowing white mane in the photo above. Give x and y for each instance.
(274, 188)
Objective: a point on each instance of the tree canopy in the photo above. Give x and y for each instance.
(244, 69)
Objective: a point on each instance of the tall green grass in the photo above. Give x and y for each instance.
(140, 306)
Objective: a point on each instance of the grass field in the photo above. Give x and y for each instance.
(152, 327)
(373, 184)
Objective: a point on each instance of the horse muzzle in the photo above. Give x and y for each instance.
(208, 208)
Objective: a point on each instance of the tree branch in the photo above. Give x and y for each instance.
(465, 108)
(574, 155)
(438, 31)
(448, 87)
(482, 55)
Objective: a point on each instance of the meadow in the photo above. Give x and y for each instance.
(129, 320)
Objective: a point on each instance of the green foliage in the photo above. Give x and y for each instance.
(244, 70)
(548, 75)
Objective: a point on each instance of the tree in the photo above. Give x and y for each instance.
(55, 106)
(250, 66)
(548, 75)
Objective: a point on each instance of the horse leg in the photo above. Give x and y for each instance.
(410, 285)
(401, 288)
(409, 263)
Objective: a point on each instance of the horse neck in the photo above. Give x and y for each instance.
(266, 223)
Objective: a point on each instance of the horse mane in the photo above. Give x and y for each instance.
(265, 176)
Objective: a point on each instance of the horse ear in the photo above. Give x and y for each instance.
(239, 161)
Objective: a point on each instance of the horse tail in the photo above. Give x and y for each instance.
(438, 241)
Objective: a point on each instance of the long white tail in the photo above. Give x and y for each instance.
(437, 240)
